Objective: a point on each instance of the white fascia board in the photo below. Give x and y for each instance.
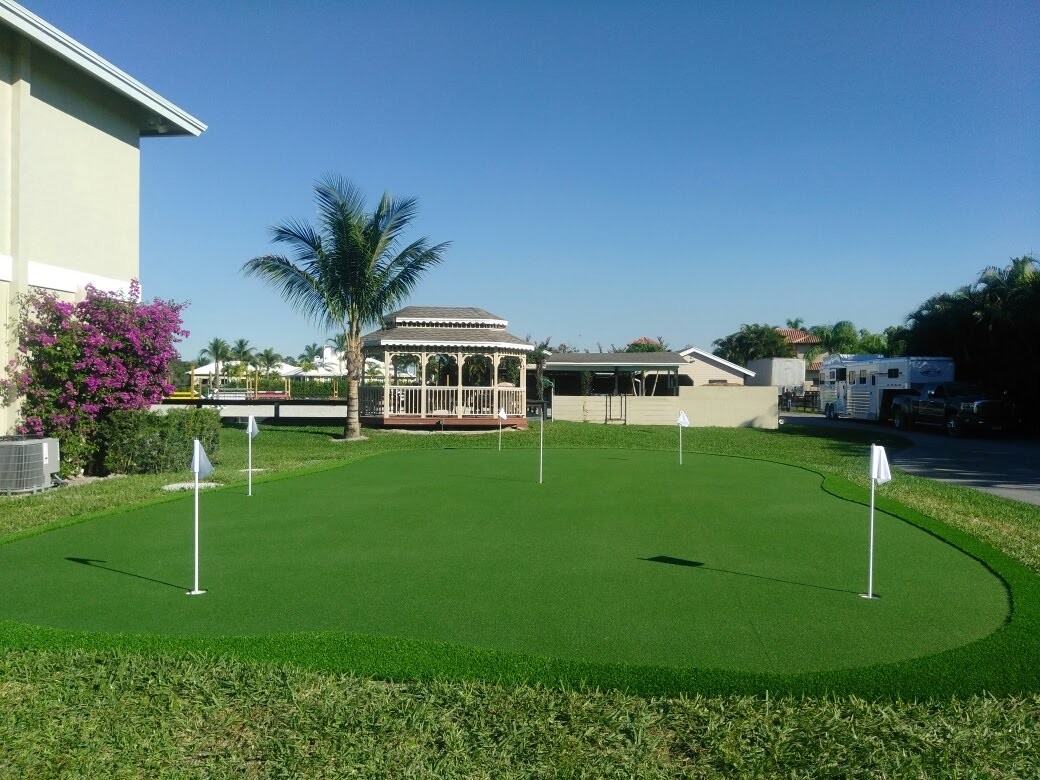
(715, 359)
(475, 344)
(51, 38)
(561, 366)
(53, 277)
(449, 321)
(6, 268)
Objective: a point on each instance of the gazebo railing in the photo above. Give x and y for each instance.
(441, 401)
(370, 400)
(476, 401)
(512, 400)
(405, 401)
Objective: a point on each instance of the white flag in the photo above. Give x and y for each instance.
(879, 470)
(252, 429)
(502, 413)
(199, 462)
(683, 420)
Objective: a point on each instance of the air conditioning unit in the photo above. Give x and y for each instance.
(27, 465)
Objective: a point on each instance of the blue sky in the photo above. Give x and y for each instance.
(604, 171)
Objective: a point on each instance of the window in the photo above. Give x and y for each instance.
(862, 377)
(893, 373)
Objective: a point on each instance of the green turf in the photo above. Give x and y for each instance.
(464, 547)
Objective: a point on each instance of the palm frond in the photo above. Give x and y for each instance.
(301, 290)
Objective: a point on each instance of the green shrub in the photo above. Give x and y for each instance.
(316, 388)
(143, 442)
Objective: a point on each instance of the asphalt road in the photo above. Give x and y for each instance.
(1003, 466)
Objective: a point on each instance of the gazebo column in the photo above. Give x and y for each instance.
(388, 358)
(523, 383)
(422, 384)
(494, 383)
(458, 405)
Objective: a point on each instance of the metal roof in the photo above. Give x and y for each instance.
(469, 314)
(587, 361)
(159, 117)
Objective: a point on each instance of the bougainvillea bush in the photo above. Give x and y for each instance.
(77, 362)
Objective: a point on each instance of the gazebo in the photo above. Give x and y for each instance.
(447, 366)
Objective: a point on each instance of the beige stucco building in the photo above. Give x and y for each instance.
(71, 125)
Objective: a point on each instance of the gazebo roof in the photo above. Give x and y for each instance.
(462, 338)
(444, 315)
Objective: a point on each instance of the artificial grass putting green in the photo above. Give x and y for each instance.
(620, 557)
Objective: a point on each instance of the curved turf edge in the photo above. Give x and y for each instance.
(1005, 662)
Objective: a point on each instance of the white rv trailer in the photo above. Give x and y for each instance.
(861, 387)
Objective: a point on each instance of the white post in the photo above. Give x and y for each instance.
(499, 434)
(870, 563)
(541, 443)
(680, 445)
(249, 436)
(195, 591)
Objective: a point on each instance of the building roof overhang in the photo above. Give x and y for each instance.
(614, 361)
(159, 115)
(700, 354)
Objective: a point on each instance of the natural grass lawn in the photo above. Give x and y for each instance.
(119, 712)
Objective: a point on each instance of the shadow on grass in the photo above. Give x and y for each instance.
(94, 563)
(700, 565)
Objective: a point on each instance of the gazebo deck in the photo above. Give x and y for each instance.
(446, 423)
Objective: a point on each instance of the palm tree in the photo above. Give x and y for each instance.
(350, 270)
(311, 353)
(539, 355)
(268, 359)
(242, 352)
(338, 342)
(217, 351)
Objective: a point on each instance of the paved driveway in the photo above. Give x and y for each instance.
(1002, 466)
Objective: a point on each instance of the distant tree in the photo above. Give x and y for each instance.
(538, 356)
(242, 352)
(796, 324)
(991, 328)
(339, 342)
(217, 352)
(268, 360)
(752, 342)
(349, 271)
(311, 353)
(646, 344)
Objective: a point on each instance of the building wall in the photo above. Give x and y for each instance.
(69, 183)
(702, 373)
(725, 407)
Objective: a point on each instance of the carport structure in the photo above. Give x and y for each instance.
(616, 373)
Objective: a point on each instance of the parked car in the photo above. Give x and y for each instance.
(953, 406)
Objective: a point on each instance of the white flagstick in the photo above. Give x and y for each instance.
(196, 465)
(870, 563)
(682, 422)
(541, 443)
(879, 474)
(250, 469)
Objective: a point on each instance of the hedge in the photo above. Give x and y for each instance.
(143, 442)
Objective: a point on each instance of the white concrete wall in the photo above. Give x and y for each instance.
(725, 407)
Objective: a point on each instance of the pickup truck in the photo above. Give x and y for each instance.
(956, 407)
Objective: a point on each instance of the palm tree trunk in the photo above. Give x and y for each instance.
(355, 364)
